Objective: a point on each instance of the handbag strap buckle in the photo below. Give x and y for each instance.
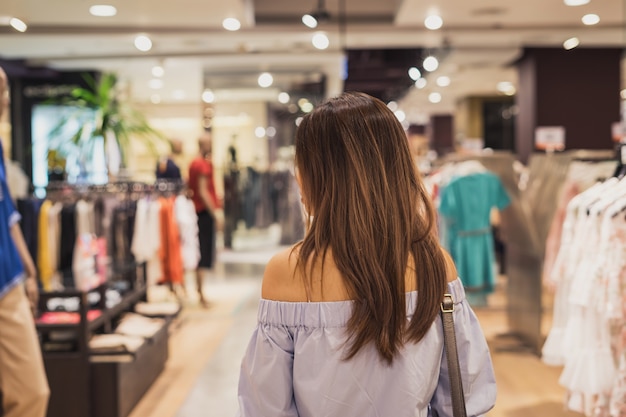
(447, 305)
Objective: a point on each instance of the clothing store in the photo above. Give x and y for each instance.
(203, 207)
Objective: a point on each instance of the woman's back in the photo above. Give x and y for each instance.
(299, 346)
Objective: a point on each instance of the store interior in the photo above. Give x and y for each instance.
(527, 96)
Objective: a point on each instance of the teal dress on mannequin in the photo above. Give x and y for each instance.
(466, 204)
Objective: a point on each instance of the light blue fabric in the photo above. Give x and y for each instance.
(293, 366)
(466, 204)
(11, 269)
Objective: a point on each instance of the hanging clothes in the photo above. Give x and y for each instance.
(54, 244)
(146, 243)
(85, 221)
(68, 241)
(588, 334)
(44, 262)
(466, 203)
(170, 252)
(187, 221)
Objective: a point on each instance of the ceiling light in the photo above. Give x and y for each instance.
(575, 2)
(298, 120)
(421, 83)
(393, 106)
(208, 96)
(414, 73)
(265, 80)
(320, 41)
(317, 16)
(434, 97)
(571, 43)
(431, 63)
(283, 98)
(156, 84)
(158, 71)
(443, 81)
(143, 43)
(270, 131)
(309, 21)
(232, 24)
(103, 10)
(18, 24)
(259, 132)
(591, 19)
(400, 115)
(433, 22)
(506, 87)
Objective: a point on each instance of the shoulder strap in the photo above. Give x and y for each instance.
(454, 371)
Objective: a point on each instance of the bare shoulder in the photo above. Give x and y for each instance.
(450, 267)
(278, 280)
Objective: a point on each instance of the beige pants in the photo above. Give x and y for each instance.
(23, 379)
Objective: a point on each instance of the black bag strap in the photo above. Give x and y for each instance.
(454, 371)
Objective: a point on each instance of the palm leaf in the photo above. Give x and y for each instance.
(110, 115)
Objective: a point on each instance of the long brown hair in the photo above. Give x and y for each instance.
(371, 210)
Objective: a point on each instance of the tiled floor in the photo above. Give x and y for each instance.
(206, 347)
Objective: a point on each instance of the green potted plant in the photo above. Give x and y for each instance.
(99, 120)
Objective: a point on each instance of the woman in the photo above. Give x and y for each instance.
(342, 331)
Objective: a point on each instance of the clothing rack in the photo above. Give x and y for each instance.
(526, 238)
(120, 187)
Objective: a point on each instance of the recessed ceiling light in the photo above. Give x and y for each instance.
(433, 22)
(431, 63)
(158, 71)
(443, 81)
(18, 24)
(320, 40)
(591, 19)
(270, 131)
(309, 21)
(231, 24)
(208, 96)
(506, 87)
(307, 107)
(434, 98)
(421, 83)
(103, 10)
(283, 98)
(414, 73)
(265, 80)
(400, 115)
(571, 43)
(259, 132)
(143, 43)
(575, 2)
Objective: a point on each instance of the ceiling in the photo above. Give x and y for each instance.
(478, 42)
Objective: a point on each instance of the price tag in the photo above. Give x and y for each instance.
(550, 138)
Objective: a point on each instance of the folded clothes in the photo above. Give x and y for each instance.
(157, 309)
(63, 317)
(137, 325)
(114, 343)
